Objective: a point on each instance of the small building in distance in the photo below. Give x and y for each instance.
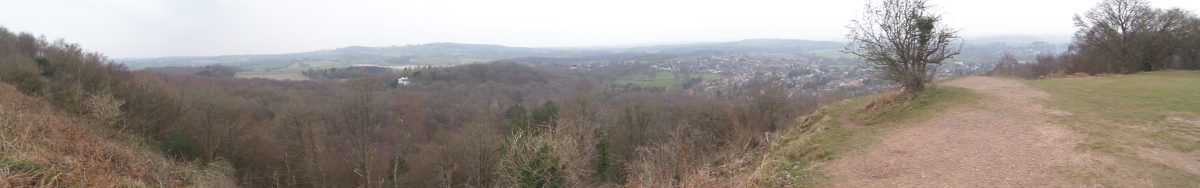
(402, 81)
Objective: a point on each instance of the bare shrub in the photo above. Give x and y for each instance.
(683, 161)
(887, 99)
(1045, 66)
(104, 110)
(532, 162)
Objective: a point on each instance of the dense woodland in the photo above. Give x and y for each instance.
(480, 125)
(1119, 37)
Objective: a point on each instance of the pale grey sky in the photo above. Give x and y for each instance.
(154, 28)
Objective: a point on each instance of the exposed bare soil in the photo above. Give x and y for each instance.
(1005, 140)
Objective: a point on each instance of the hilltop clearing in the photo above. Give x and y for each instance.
(1004, 139)
(1128, 131)
(1144, 125)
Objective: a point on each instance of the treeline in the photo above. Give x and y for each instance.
(347, 72)
(479, 125)
(219, 71)
(1120, 37)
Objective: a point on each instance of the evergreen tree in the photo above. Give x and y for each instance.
(546, 114)
(542, 170)
(518, 118)
(603, 160)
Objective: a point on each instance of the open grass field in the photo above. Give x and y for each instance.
(281, 75)
(662, 79)
(292, 70)
(1147, 123)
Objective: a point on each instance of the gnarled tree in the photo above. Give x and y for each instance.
(903, 40)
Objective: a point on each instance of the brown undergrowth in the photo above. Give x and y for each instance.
(43, 147)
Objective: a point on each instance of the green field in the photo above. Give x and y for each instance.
(1148, 122)
(273, 75)
(293, 70)
(662, 79)
(448, 61)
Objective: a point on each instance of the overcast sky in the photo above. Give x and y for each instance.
(155, 28)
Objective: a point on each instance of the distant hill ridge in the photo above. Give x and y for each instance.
(446, 53)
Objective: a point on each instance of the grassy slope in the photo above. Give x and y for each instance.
(795, 158)
(43, 147)
(1135, 120)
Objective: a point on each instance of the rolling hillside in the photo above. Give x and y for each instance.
(983, 49)
(426, 54)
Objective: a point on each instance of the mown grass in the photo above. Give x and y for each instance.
(661, 79)
(1125, 116)
(796, 157)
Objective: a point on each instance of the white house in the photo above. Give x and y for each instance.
(402, 81)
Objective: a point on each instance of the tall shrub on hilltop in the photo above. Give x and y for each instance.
(103, 109)
(903, 40)
(23, 73)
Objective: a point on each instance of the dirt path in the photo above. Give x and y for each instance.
(1003, 141)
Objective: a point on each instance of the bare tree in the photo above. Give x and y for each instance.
(1190, 53)
(217, 120)
(766, 100)
(1166, 39)
(1130, 36)
(361, 110)
(1007, 66)
(901, 39)
(1109, 30)
(302, 125)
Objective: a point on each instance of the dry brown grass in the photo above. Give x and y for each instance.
(888, 98)
(44, 147)
(797, 156)
(678, 163)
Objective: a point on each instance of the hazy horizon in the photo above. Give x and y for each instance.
(154, 28)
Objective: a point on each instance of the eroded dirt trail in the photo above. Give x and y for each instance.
(1004, 140)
